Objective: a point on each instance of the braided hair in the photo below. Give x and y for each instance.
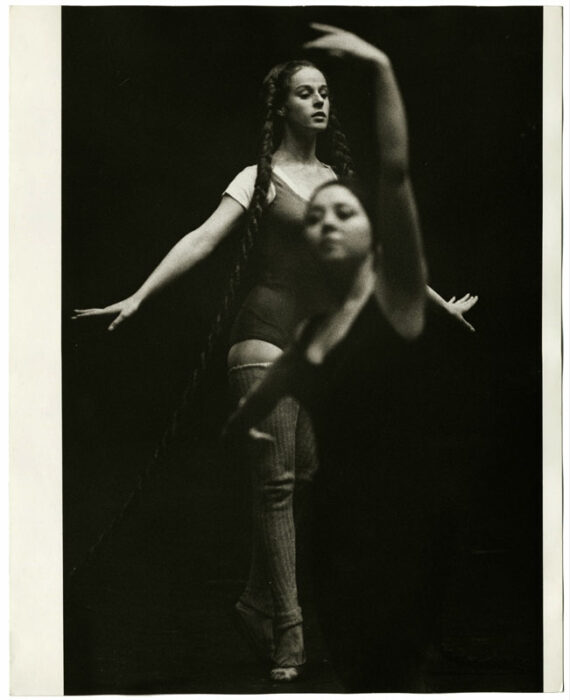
(275, 90)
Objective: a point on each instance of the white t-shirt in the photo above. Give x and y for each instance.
(242, 186)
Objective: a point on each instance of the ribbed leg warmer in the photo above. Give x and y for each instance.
(271, 587)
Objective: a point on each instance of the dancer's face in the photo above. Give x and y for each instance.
(307, 103)
(337, 227)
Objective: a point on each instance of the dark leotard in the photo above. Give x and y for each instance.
(377, 505)
(287, 278)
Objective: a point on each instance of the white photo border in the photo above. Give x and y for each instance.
(36, 552)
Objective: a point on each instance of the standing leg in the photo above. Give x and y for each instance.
(306, 464)
(272, 586)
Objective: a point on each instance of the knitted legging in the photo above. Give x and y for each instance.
(275, 465)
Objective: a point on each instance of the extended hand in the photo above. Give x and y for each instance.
(341, 44)
(233, 429)
(234, 426)
(122, 310)
(458, 307)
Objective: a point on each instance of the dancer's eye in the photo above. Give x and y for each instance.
(313, 217)
(344, 212)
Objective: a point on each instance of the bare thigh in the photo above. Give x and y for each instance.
(249, 352)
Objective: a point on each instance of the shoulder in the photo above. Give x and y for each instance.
(250, 171)
(330, 169)
(246, 176)
(241, 188)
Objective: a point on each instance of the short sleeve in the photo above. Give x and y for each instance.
(242, 186)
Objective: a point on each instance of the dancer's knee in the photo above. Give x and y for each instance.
(277, 492)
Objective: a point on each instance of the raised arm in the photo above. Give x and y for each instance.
(190, 250)
(401, 269)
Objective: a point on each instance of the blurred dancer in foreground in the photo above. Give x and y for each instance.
(361, 372)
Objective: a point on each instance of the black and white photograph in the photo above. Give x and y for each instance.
(301, 349)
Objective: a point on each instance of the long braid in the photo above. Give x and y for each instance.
(262, 180)
(275, 88)
(218, 326)
(342, 159)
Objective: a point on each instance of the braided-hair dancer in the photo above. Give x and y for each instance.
(273, 196)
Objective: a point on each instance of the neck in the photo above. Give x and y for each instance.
(352, 287)
(297, 147)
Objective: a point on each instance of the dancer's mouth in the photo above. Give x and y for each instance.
(331, 241)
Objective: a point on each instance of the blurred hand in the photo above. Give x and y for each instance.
(336, 42)
(235, 428)
(256, 434)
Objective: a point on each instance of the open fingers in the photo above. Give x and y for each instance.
(467, 303)
(82, 313)
(470, 302)
(120, 318)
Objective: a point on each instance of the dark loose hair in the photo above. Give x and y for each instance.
(354, 185)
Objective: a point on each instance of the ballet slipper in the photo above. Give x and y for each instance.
(257, 630)
(289, 655)
(285, 675)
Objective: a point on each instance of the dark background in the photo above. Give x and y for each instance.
(160, 111)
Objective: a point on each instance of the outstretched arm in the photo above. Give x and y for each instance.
(454, 307)
(190, 250)
(401, 269)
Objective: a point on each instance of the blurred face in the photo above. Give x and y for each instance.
(336, 226)
(307, 105)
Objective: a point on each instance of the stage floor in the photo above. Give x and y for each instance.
(149, 613)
